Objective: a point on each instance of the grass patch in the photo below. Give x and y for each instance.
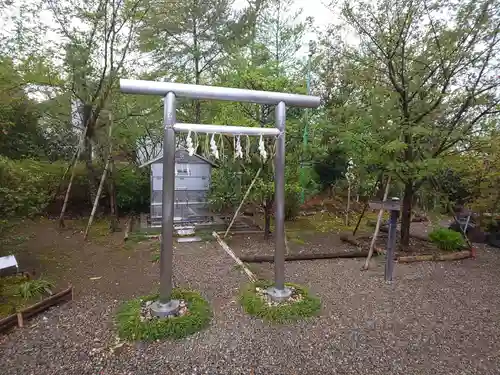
(297, 240)
(205, 235)
(18, 292)
(155, 256)
(131, 327)
(254, 305)
(138, 237)
(324, 222)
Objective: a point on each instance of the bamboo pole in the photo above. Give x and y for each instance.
(68, 190)
(73, 172)
(242, 201)
(228, 250)
(377, 227)
(103, 178)
(96, 200)
(68, 168)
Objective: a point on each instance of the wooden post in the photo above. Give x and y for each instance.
(81, 145)
(377, 226)
(68, 190)
(391, 243)
(101, 184)
(242, 201)
(394, 206)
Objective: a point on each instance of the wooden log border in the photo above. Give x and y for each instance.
(20, 317)
(459, 255)
(297, 257)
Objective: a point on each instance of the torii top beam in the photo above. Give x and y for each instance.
(132, 86)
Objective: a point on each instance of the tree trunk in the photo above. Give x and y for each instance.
(406, 214)
(267, 219)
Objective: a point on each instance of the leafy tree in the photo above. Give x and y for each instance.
(190, 40)
(20, 136)
(435, 79)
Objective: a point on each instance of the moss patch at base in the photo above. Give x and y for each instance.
(255, 305)
(131, 327)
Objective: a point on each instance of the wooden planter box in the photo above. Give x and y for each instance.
(20, 317)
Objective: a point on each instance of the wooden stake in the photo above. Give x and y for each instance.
(377, 227)
(348, 203)
(228, 250)
(128, 227)
(96, 201)
(72, 162)
(68, 190)
(73, 172)
(242, 201)
(113, 227)
(101, 184)
(20, 320)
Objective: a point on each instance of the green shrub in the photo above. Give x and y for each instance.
(253, 304)
(447, 239)
(131, 327)
(28, 186)
(133, 190)
(292, 201)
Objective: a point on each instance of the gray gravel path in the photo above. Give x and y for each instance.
(438, 318)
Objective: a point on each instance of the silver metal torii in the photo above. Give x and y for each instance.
(165, 306)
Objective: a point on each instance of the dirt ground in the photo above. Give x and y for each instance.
(437, 318)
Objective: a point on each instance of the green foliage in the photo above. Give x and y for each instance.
(131, 327)
(133, 190)
(20, 135)
(447, 239)
(331, 167)
(18, 291)
(292, 200)
(225, 189)
(34, 288)
(284, 313)
(454, 186)
(26, 186)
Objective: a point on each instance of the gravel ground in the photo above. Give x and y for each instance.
(310, 243)
(437, 318)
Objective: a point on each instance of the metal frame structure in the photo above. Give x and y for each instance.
(165, 306)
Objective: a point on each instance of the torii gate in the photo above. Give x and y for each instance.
(165, 306)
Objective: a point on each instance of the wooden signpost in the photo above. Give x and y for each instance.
(393, 206)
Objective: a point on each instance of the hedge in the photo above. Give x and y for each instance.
(27, 187)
